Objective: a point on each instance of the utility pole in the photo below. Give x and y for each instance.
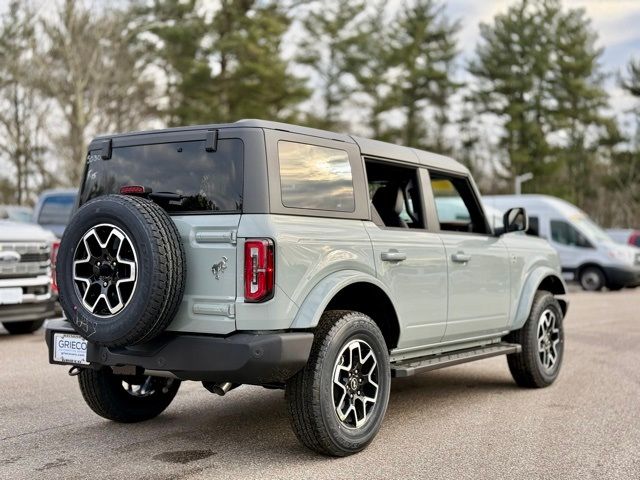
(520, 179)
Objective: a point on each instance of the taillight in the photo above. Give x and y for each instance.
(134, 190)
(54, 258)
(259, 271)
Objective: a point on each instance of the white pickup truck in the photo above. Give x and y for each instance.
(27, 294)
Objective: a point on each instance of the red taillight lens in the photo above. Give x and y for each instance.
(54, 258)
(134, 190)
(259, 270)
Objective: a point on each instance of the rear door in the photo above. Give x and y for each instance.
(409, 259)
(478, 262)
(198, 178)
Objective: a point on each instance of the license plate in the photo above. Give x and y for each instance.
(10, 296)
(69, 348)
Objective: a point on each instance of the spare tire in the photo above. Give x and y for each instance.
(121, 270)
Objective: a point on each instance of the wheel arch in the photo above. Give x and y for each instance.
(540, 279)
(351, 290)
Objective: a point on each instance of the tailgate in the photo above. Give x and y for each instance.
(210, 291)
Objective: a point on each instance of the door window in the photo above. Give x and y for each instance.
(565, 234)
(394, 195)
(456, 204)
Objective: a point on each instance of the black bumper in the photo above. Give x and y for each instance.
(250, 358)
(624, 277)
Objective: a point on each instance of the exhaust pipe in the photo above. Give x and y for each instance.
(220, 388)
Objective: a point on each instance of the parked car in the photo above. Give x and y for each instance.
(270, 254)
(54, 208)
(16, 213)
(626, 236)
(587, 253)
(453, 209)
(27, 293)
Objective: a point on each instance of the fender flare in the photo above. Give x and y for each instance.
(323, 292)
(528, 292)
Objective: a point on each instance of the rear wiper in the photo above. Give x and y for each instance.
(166, 196)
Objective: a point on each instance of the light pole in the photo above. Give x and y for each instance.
(520, 179)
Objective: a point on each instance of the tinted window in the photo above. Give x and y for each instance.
(202, 181)
(56, 210)
(315, 177)
(565, 234)
(534, 228)
(456, 205)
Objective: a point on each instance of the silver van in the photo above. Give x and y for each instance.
(587, 253)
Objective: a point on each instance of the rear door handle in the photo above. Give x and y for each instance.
(460, 257)
(393, 255)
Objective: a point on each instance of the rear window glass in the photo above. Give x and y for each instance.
(56, 210)
(314, 177)
(200, 181)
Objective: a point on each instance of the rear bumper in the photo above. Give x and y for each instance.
(626, 277)
(239, 358)
(28, 312)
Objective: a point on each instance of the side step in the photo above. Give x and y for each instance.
(412, 366)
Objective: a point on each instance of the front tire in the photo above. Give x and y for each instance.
(126, 399)
(337, 402)
(592, 279)
(20, 328)
(542, 341)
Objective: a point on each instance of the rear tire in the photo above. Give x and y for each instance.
(20, 328)
(539, 362)
(592, 279)
(337, 402)
(106, 394)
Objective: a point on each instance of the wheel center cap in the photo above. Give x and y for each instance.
(353, 383)
(106, 270)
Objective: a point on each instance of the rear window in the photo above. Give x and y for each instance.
(56, 210)
(314, 177)
(200, 181)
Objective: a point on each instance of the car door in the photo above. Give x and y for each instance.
(409, 259)
(478, 262)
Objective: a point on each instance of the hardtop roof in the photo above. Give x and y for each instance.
(368, 147)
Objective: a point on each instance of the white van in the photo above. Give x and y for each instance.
(587, 254)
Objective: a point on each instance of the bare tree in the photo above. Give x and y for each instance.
(22, 113)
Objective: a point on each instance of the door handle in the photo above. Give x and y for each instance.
(393, 255)
(460, 257)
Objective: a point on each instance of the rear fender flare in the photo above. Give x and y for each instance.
(319, 297)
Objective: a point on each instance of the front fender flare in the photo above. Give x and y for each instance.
(319, 297)
(528, 292)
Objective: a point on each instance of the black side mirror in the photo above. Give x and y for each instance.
(515, 220)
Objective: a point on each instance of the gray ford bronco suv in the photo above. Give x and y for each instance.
(288, 257)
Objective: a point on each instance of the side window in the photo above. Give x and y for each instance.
(457, 207)
(565, 234)
(315, 177)
(395, 195)
(534, 228)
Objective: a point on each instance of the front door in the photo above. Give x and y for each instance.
(478, 262)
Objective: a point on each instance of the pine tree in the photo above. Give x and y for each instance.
(330, 28)
(537, 72)
(223, 65)
(423, 47)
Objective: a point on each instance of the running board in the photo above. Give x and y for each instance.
(410, 367)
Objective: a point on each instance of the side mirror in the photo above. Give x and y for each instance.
(515, 220)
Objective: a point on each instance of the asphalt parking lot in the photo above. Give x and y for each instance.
(469, 421)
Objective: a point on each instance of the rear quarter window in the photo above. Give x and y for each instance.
(314, 177)
(207, 182)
